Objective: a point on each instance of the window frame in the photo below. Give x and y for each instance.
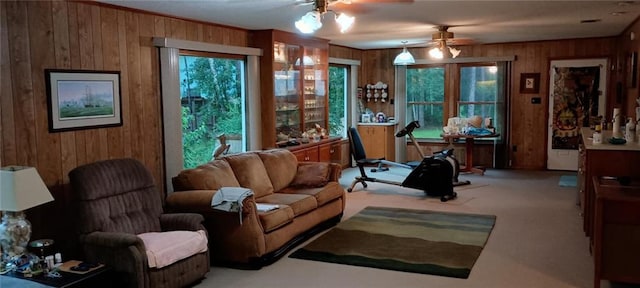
(243, 92)
(171, 108)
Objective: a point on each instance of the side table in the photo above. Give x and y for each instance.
(469, 141)
(95, 278)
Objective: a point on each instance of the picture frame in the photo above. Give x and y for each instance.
(530, 83)
(83, 99)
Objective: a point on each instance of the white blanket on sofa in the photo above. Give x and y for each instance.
(230, 199)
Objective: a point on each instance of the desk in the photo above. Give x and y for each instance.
(468, 140)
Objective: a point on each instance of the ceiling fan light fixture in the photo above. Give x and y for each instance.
(454, 52)
(344, 21)
(312, 21)
(309, 23)
(404, 58)
(436, 53)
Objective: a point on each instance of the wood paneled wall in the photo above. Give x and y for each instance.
(35, 35)
(627, 101)
(76, 35)
(528, 121)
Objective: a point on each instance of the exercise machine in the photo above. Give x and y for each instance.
(447, 154)
(433, 175)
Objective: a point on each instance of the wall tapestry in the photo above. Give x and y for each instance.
(575, 98)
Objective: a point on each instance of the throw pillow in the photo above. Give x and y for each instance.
(311, 175)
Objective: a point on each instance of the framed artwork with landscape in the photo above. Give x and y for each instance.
(83, 99)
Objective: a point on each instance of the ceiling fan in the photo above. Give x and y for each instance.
(443, 40)
(312, 20)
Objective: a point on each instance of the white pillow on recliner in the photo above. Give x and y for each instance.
(166, 248)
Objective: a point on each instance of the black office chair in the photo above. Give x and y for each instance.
(359, 155)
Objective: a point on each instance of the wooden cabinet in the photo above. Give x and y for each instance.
(310, 154)
(603, 160)
(293, 84)
(616, 249)
(378, 140)
(326, 150)
(333, 152)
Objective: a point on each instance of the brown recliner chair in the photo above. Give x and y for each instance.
(116, 200)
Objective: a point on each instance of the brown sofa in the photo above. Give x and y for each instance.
(309, 196)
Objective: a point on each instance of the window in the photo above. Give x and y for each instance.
(212, 93)
(425, 100)
(338, 88)
(473, 89)
(479, 92)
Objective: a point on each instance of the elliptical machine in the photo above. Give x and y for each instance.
(433, 175)
(447, 154)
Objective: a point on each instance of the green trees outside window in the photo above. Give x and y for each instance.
(337, 100)
(212, 98)
(425, 100)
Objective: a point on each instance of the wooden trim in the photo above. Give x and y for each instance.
(466, 60)
(343, 61)
(208, 47)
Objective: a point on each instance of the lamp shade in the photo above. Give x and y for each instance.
(345, 22)
(22, 188)
(309, 23)
(404, 58)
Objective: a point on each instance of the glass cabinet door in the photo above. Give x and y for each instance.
(314, 74)
(287, 91)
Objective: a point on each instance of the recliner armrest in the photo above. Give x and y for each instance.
(181, 221)
(123, 252)
(112, 239)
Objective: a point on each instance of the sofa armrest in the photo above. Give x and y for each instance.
(335, 172)
(242, 241)
(199, 201)
(181, 221)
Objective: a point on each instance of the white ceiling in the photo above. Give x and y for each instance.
(380, 24)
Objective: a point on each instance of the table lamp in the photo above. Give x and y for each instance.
(21, 188)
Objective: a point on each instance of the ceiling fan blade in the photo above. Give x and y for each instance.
(360, 6)
(461, 41)
(379, 1)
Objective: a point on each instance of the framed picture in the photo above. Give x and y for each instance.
(83, 99)
(530, 83)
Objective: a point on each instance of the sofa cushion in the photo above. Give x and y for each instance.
(166, 248)
(274, 219)
(250, 172)
(281, 166)
(209, 176)
(298, 202)
(323, 195)
(311, 175)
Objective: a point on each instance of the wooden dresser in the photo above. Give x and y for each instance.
(595, 161)
(616, 235)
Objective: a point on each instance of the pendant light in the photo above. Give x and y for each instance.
(404, 58)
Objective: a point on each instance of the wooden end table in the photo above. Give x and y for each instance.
(94, 278)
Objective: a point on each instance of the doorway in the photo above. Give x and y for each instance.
(577, 94)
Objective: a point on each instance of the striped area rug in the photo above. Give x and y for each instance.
(419, 241)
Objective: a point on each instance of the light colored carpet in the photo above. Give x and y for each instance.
(537, 240)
